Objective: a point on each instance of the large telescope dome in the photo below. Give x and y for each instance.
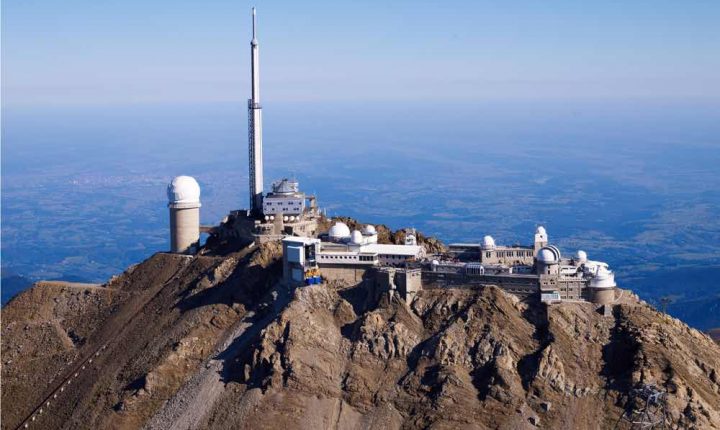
(339, 231)
(604, 278)
(183, 189)
(548, 255)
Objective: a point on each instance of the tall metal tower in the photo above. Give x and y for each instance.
(255, 128)
(646, 409)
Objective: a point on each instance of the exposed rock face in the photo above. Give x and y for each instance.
(323, 357)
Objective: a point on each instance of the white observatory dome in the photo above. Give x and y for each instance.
(183, 189)
(339, 230)
(548, 255)
(604, 278)
(488, 242)
(356, 238)
(582, 256)
(369, 230)
(541, 230)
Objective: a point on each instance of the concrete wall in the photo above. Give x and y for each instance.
(184, 228)
(522, 286)
(278, 228)
(350, 275)
(510, 256)
(409, 282)
(602, 296)
(385, 279)
(571, 289)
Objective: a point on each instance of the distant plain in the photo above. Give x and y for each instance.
(636, 184)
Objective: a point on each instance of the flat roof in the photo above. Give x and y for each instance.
(301, 239)
(271, 196)
(372, 248)
(386, 249)
(500, 247)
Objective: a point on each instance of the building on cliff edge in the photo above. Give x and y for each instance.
(537, 270)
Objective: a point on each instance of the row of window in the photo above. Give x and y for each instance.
(363, 257)
(350, 257)
(395, 257)
(290, 203)
(340, 257)
(521, 253)
(520, 290)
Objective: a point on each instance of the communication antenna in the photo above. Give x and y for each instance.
(647, 408)
(255, 147)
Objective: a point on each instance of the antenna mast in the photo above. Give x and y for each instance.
(255, 126)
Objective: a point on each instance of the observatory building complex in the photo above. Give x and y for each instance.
(354, 258)
(315, 250)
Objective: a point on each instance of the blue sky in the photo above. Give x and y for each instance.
(119, 52)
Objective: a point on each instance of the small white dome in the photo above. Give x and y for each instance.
(488, 242)
(369, 230)
(548, 255)
(339, 230)
(582, 256)
(540, 230)
(183, 189)
(356, 237)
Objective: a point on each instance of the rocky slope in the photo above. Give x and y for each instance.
(218, 342)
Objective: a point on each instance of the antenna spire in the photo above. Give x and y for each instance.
(255, 127)
(254, 21)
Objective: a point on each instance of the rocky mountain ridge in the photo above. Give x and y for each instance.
(216, 341)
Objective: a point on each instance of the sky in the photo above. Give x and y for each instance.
(105, 52)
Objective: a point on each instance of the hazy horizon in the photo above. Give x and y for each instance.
(634, 184)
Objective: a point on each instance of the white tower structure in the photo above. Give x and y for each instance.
(541, 238)
(255, 127)
(184, 204)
